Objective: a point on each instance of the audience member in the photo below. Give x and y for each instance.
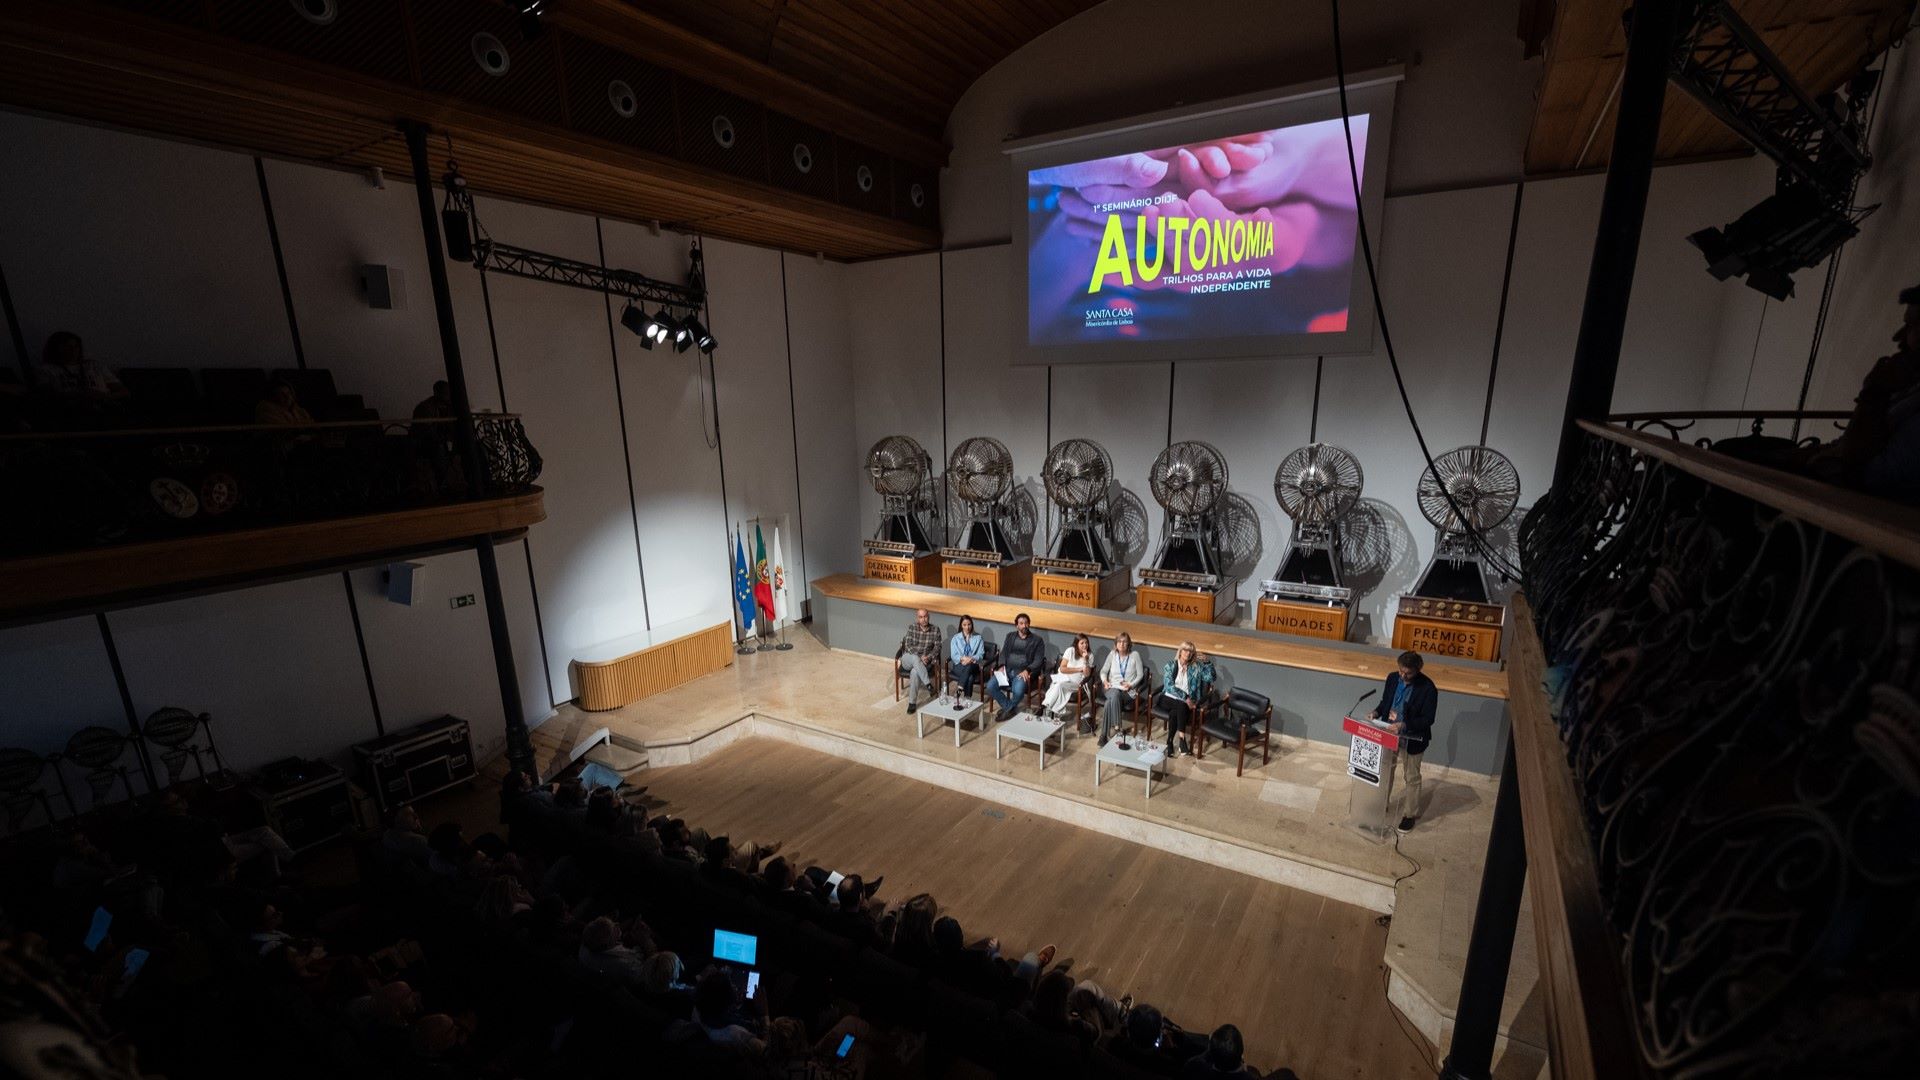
(1223, 1057)
(70, 373)
(601, 950)
(438, 405)
(661, 987)
(714, 1011)
(1880, 449)
(403, 837)
(1049, 1011)
(1153, 1044)
(281, 406)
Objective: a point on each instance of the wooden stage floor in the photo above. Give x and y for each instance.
(1293, 807)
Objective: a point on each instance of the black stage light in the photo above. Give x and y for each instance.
(1792, 229)
(459, 235)
(683, 334)
(702, 337)
(659, 327)
(635, 319)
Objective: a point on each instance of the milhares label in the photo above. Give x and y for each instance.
(972, 580)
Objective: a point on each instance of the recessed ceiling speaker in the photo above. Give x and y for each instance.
(623, 99)
(490, 54)
(917, 195)
(803, 157)
(317, 12)
(723, 132)
(864, 177)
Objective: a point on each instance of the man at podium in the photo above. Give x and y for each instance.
(1407, 703)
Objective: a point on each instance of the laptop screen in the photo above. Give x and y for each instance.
(735, 948)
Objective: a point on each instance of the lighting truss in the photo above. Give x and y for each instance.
(1722, 63)
(498, 258)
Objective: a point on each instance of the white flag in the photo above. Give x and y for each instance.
(779, 581)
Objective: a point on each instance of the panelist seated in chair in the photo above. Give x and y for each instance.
(1185, 682)
(1023, 659)
(1076, 665)
(919, 652)
(966, 656)
(1123, 677)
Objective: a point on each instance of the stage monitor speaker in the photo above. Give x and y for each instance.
(404, 580)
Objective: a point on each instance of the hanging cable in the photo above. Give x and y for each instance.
(1496, 559)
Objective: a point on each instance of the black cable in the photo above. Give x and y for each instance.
(1497, 560)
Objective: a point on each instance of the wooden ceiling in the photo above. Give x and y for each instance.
(1823, 42)
(905, 62)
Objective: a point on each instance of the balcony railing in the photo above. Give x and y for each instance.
(81, 490)
(1728, 658)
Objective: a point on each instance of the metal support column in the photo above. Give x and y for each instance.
(519, 747)
(1623, 207)
(1483, 985)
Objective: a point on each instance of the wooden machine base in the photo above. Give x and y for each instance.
(1305, 620)
(1081, 591)
(902, 570)
(1007, 579)
(1189, 604)
(1439, 627)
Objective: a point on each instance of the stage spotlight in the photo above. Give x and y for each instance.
(702, 337)
(528, 12)
(635, 319)
(1792, 229)
(683, 334)
(658, 327)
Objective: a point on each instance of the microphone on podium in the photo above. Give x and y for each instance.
(1358, 700)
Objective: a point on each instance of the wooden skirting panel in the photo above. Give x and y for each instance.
(609, 684)
(123, 572)
(1589, 1033)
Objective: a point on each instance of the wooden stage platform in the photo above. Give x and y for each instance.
(1282, 825)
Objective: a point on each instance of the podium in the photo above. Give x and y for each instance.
(1371, 756)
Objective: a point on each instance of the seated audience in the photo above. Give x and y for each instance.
(70, 373)
(601, 950)
(1151, 1043)
(965, 655)
(437, 405)
(1023, 660)
(660, 985)
(1049, 1011)
(1123, 677)
(403, 838)
(715, 1012)
(281, 406)
(919, 651)
(1880, 449)
(1223, 1057)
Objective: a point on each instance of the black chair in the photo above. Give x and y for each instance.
(1246, 717)
(163, 396)
(232, 393)
(1197, 717)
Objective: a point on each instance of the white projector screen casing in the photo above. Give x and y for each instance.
(1370, 94)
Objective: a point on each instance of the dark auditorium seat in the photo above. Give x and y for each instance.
(163, 396)
(231, 393)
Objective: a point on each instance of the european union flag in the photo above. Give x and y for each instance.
(742, 586)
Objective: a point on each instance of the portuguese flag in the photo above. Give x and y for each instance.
(762, 578)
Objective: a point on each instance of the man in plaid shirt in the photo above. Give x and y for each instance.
(918, 651)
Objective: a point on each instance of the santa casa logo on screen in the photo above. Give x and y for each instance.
(1117, 313)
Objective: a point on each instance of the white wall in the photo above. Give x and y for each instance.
(159, 254)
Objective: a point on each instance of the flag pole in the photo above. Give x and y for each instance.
(740, 646)
(758, 556)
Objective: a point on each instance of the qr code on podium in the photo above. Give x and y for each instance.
(1364, 756)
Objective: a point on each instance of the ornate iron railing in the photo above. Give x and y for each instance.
(1736, 680)
(73, 490)
(1808, 427)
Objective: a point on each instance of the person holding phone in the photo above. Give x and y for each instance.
(841, 1052)
(717, 1011)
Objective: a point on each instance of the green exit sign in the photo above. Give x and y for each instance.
(461, 601)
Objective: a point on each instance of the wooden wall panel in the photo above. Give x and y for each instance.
(609, 684)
